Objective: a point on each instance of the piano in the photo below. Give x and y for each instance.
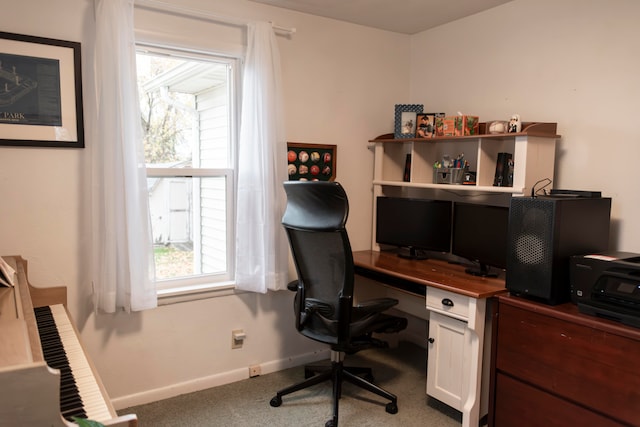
(46, 378)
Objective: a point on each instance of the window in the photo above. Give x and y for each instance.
(188, 105)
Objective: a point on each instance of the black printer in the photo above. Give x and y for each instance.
(607, 285)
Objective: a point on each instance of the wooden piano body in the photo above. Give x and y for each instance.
(30, 391)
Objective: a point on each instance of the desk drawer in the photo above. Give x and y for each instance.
(448, 303)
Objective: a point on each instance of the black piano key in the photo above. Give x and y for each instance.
(71, 404)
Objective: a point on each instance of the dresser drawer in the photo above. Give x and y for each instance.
(448, 303)
(594, 369)
(519, 404)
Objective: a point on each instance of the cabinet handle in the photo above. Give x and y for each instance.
(431, 340)
(447, 302)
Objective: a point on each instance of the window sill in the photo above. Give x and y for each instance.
(195, 292)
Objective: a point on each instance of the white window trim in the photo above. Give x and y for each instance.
(196, 292)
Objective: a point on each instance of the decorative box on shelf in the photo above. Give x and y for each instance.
(445, 126)
(466, 125)
(461, 125)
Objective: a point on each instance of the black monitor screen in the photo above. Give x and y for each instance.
(480, 235)
(414, 224)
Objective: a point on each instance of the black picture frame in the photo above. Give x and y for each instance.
(40, 92)
(425, 125)
(405, 120)
(311, 162)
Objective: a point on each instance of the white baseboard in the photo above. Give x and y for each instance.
(239, 374)
(215, 380)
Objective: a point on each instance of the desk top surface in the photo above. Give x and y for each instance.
(431, 272)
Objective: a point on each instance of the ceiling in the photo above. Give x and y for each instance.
(400, 16)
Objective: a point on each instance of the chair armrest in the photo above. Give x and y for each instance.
(293, 286)
(377, 305)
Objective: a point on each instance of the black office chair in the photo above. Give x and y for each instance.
(314, 220)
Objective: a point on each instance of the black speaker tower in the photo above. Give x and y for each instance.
(543, 233)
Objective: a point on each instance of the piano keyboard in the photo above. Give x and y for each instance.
(80, 395)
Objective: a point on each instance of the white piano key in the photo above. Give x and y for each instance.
(92, 397)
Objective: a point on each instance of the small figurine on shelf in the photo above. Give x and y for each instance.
(514, 124)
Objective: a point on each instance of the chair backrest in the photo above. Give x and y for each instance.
(314, 220)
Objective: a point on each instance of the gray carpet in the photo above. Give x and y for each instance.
(400, 370)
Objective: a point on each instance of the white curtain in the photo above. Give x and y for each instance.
(122, 257)
(261, 246)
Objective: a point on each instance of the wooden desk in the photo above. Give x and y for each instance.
(431, 272)
(458, 324)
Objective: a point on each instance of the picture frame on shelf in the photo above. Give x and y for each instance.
(311, 162)
(406, 120)
(426, 125)
(41, 96)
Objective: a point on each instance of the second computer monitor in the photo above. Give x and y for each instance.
(480, 234)
(414, 225)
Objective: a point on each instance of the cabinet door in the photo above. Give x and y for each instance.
(446, 355)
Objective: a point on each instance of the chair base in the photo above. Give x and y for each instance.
(337, 373)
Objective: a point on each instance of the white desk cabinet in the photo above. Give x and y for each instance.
(457, 369)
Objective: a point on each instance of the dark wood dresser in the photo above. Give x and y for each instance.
(553, 366)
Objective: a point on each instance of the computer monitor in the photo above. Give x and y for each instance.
(480, 234)
(414, 225)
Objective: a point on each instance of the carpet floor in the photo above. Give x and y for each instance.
(400, 370)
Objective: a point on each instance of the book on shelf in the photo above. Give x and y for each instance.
(504, 170)
(406, 177)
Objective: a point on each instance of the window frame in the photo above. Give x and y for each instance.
(214, 284)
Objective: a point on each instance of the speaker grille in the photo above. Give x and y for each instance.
(531, 242)
(530, 249)
(530, 256)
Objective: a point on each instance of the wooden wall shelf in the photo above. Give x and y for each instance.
(533, 152)
(546, 130)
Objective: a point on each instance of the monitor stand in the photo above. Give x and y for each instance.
(483, 270)
(412, 254)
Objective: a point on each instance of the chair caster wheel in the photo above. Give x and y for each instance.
(330, 423)
(392, 408)
(276, 401)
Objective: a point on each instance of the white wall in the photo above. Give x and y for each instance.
(566, 61)
(341, 82)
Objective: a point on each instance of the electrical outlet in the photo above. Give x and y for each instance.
(254, 370)
(237, 338)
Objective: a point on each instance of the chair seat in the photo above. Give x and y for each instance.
(361, 329)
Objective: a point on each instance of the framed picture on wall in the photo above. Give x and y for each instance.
(40, 92)
(311, 162)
